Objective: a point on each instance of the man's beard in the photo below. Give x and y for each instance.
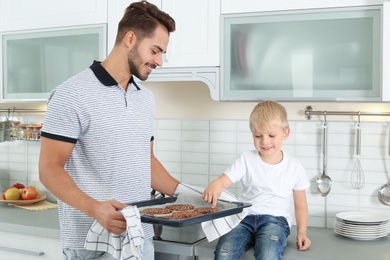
(133, 58)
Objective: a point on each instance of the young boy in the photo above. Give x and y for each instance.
(270, 179)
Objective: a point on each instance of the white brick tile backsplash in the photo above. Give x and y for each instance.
(173, 166)
(168, 145)
(223, 148)
(168, 135)
(243, 126)
(223, 137)
(217, 169)
(222, 158)
(195, 168)
(168, 124)
(198, 151)
(191, 157)
(196, 125)
(201, 180)
(190, 146)
(244, 137)
(169, 156)
(242, 147)
(223, 126)
(201, 136)
(17, 147)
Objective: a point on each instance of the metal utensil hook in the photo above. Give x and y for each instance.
(8, 113)
(324, 118)
(358, 118)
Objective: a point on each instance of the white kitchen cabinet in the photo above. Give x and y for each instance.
(27, 247)
(319, 54)
(250, 6)
(33, 62)
(26, 14)
(195, 43)
(196, 39)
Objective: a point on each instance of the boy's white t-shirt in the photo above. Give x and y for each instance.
(268, 187)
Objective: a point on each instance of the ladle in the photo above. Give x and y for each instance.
(324, 182)
(384, 190)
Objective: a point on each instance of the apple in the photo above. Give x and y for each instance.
(29, 193)
(11, 194)
(4, 193)
(18, 185)
(39, 191)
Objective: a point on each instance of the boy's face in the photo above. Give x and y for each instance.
(268, 142)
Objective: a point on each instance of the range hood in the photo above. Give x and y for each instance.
(208, 75)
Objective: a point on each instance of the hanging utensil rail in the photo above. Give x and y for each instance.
(309, 112)
(24, 110)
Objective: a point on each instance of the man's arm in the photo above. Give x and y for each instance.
(53, 156)
(162, 181)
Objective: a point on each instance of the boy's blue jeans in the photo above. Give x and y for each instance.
(265, 233)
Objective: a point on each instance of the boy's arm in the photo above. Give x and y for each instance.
(214, 189)
(301, 216)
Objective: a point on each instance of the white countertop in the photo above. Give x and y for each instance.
(43, 223)
(325, 245)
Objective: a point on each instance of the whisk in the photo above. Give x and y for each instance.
(357, 176)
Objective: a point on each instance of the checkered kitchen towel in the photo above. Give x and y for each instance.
(216, 228)
(127, 245)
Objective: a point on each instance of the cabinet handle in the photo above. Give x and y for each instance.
(16, 250)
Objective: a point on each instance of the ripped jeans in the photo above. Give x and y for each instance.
(265, 233)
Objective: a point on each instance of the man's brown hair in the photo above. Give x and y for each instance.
(143, 18)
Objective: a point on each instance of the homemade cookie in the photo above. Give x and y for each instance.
(206, 210)
(180, 207)
(155, 211)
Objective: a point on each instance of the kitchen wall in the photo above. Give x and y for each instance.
(19, 159)
(198, 138)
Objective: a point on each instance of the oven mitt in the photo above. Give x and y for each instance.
(127, 245)
(216, 228)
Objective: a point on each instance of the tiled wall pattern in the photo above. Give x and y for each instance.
(19, 159)
(197, 151)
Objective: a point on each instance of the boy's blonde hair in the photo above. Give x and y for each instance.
(266, 113)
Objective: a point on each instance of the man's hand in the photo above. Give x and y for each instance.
(109, 217)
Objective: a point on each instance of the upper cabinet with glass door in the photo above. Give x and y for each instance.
(254, 6)
(331, 54)
(44, 42)
(34, 62)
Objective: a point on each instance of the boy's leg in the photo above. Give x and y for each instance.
(271, 238)
(234, 244)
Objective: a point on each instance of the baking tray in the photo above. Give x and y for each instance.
(237, 207)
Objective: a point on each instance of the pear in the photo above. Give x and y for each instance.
(12, 194)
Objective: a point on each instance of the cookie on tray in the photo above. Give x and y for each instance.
(206, 210)
(155, 211)
(180, 207)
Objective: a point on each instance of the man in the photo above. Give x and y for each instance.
(97, 138)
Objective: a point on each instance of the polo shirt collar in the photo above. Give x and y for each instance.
(104, 77)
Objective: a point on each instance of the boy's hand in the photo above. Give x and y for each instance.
(213, 191)
(303, 242)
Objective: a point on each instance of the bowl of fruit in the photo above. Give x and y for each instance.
(19, 194)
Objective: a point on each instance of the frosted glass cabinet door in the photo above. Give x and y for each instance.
(314, 55)
(36, 62)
